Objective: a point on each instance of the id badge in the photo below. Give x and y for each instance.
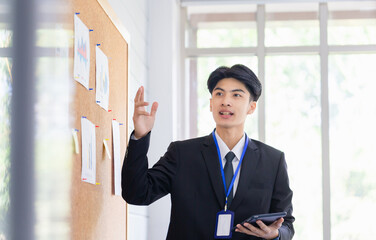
(223, 226)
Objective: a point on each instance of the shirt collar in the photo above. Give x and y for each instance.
(237, 150)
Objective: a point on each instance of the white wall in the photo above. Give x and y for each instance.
(154, 63)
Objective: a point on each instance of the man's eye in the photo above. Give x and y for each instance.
(218, 94)
(237, 95)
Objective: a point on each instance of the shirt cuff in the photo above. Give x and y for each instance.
(133, 137)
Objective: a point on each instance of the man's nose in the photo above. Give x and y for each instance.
(226, 101)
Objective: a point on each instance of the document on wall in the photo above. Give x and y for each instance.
(102, 79)
(81, 52)
(89, 161)
(117, 168)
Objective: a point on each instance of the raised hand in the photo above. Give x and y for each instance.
(142, 120)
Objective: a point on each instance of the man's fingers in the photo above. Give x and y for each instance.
(154, 108)
(256, 231)
(142, 112)
(277, 224)
(262, 225)
(242, 229)
(264, 231)
(142, 94)
(141, 104)
(138, 93)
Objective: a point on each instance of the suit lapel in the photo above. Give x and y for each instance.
(209, 151)
(250, 161)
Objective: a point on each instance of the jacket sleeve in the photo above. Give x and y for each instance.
(282, 200)
(140, 185)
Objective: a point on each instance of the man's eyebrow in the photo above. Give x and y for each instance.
(234, 90)
(237, 90)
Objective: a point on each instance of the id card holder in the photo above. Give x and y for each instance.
(223, 226)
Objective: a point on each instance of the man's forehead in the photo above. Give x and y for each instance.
(230, 84)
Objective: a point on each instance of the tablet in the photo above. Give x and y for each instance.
(267, 218)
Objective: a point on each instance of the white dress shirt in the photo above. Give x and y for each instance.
(237, 150)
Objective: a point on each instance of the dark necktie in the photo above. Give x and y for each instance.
(229, 173)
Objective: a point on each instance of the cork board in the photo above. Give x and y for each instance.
(96, 212)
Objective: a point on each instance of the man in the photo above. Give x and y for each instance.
(202, 174)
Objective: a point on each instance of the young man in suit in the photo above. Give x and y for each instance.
(216, 174)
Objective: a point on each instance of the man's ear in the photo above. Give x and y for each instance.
(211, 108)
(252, 107)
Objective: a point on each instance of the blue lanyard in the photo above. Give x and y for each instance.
(237, 169)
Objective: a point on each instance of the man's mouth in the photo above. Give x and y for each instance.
(226, 113)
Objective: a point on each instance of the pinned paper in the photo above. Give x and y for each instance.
(81, 68)
(107, 148)
(75, 139)
(102, 79)
(88, 171)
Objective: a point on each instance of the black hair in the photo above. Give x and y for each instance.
(241, 73)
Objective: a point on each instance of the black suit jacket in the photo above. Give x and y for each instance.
(190, 172)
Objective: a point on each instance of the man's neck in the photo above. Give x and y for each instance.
(230, 136)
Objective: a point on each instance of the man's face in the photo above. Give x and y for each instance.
(230, 103)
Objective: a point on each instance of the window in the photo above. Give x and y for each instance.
(316, 63)
(5, 96)
(222, 27)
(351, 24)
(352, 151)
(292, 92)
(52, 134)
(292, 25)
(53, 149)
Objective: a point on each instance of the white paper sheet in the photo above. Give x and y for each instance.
(117, 169)
(89, 161)
(81, 52)
(102, 79)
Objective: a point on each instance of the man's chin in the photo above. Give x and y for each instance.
(225, 126)
(229, 126)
